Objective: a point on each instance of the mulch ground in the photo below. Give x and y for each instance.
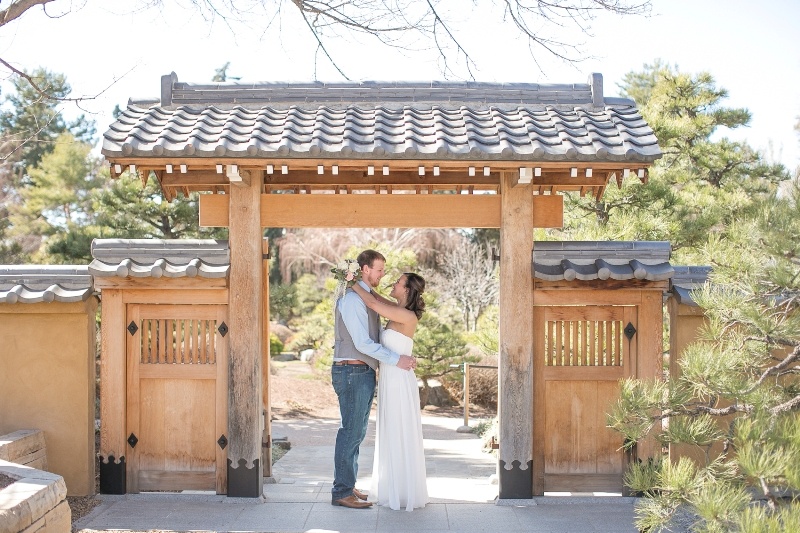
(82, 505)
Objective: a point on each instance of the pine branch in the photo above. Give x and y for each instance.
(772, 502)
(793, 357)
(785, 407)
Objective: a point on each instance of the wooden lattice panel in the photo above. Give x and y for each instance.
(178, 341)
(583, 343)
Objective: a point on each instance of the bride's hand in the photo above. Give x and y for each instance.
(406, 362)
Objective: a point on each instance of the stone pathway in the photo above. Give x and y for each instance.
(459, 482)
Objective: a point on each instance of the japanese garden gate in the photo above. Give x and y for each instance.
(437, 155)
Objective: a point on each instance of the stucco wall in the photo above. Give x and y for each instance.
(47, 382)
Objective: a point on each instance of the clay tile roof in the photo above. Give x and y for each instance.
(44, 283)
(154, 258)
(590, 260)
(390, 120)
(687, 279)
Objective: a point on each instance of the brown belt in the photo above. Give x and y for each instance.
(349, 362)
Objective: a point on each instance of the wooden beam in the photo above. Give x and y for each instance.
(221, 407)
(548, 211)
(515, 398)
(209, 180)
(361, 178)
(160, 283)
(112, 375)
(539, 399)
(245, 475)
(379, 211)
(163, 295)
(266, 404)
(356, 177)
(132, 411)
(194, 178)
(650, 359)
(209, 163)
(567, 289)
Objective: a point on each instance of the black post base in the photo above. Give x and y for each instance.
(113, 479)
(243, 481)
(516, 484)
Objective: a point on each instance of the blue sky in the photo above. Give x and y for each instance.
(103, 47)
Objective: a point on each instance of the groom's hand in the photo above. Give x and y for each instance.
(406, 362)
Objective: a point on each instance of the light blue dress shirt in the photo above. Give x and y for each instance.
(354, 315)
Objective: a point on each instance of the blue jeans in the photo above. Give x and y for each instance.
(355, 387)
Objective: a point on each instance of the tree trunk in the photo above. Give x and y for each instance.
(424, 393)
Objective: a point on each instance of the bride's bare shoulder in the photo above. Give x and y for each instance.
(408, 333)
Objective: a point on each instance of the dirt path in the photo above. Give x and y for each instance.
(299, 391)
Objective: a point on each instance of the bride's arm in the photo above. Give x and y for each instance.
(384, 307)
(381, 298)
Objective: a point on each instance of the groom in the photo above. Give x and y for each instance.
(356, 354)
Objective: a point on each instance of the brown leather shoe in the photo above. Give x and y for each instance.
(352, 502)
(360, 495)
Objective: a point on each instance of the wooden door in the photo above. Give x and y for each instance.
(582, 353)
(177, 397)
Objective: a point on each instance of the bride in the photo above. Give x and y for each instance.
(398, 471)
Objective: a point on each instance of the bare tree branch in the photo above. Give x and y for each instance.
(468, 278)
(18, 8)
(415, 24)
(320, 45)
(30, 136)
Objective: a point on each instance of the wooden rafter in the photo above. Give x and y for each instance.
(314, 176)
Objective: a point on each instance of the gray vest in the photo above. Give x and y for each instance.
(344, 348)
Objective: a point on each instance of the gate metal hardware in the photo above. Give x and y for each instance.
(223, 329)
(132, 440)
(222, 441)
(630, 331)
(132, 328)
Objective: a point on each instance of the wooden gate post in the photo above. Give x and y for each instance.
(516, 339)
(113, 451)
(266, 443)
(245, 476)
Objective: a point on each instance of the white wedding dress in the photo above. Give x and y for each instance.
(398, 470)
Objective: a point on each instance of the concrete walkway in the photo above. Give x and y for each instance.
(460, 484)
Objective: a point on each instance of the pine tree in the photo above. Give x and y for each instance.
(738, 387)
(30, 124)
(126, 209)
(56, 198)
(31, 121)
(700, 186)
(438, 346)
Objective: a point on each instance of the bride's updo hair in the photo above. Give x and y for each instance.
(416, 286)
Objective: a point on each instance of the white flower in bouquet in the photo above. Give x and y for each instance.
(345, 272)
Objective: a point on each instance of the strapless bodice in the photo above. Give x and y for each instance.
(397, 342)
